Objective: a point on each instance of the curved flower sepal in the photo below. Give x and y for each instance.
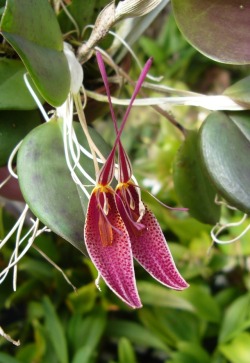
(109, 247)
(148, 244)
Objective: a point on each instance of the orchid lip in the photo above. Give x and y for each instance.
(109, 247)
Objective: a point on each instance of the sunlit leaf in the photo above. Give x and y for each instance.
(218, 29)
(225, 147)
(14, 126)
(191, 183)
(33, 31)
(236, 319)
(13, 91)
(237, 351)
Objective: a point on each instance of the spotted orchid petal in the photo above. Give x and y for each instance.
(109, 247)
(148, 244)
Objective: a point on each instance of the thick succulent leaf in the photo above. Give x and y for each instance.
(225, 148)
(194, 189)
(83, 12)
(46, 182)
(14, 94)
(14, 126)
(33, 31)
(240, 92)
(217, 28)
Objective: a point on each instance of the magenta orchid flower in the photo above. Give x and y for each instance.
(119, 226)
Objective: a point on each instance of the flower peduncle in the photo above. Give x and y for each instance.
(125, 170)
(135, 93)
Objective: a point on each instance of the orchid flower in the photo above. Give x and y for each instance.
(119, 226)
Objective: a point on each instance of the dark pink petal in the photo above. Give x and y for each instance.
(149, 246)
(108, 170)
(125, 168)
(113, 259)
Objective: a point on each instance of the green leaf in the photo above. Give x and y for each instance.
(83, 355)
(237, 351)
(171, 325)
(14, 94)
(218, 29)
(5, 358)
(236, 319)
(126, 352)
(240, 92)
(23, 292)
(14, 126)
(135, 333)
(191, 183)
(84, 300)
(190, 353)
(225, 147)
(33, 31)
(206, 307)
(55, 331)
(46, 182)
(29, 353)
(83, 12)
(87, 331)
(156, 295)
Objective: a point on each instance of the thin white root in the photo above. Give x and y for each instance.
(97, 281)
(7, 337)
(36, 99)
(214, 234)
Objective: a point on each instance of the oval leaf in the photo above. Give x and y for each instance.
(225, 148)
(32, 29)
(46, 182)
(191, 184)
(218, 29)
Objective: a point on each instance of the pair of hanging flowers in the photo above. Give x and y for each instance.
(119, 227)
